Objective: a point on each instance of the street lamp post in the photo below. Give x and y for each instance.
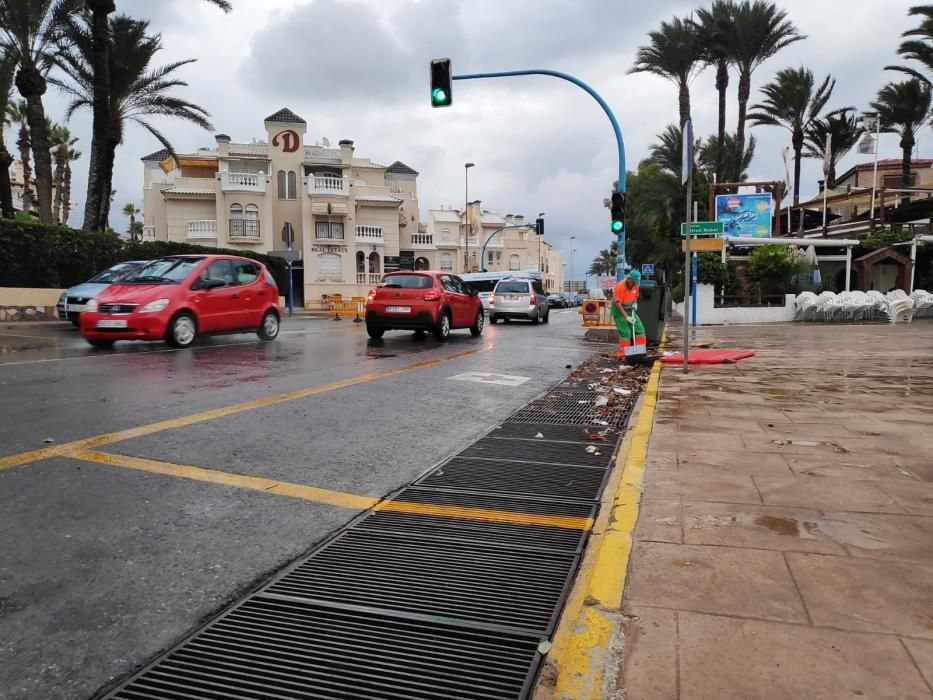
(873, 121)
(540, 262)
(570, 286)
(466, 213)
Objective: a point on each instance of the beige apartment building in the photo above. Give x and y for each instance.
(351, 219)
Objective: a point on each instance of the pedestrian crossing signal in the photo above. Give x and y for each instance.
(441, 94)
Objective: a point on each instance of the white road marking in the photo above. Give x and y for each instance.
(490, 378)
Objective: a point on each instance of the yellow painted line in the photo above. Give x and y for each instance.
(21, 335)
(567, 522)
(581, 652)
(69, 448)
(319, 495)
(254, 483)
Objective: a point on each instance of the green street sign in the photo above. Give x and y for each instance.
(703, 228)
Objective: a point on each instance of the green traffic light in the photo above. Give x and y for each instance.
(439, 96)
(616, 226)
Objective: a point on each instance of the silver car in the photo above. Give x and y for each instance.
(519, 298)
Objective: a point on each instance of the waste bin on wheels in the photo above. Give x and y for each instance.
(654, 309)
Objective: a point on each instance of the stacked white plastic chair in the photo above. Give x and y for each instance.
(923, 303)
(900, 306)
(804, 303)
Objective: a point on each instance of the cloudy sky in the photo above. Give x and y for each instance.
(358, 69)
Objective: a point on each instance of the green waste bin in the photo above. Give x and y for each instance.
(654, 309)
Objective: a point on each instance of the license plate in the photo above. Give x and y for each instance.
(111, 324)
(398, 309)
(511, 297)
(74, 308)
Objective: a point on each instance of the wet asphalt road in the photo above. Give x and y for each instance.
(102, 566)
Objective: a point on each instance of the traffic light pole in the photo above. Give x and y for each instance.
(620, 144)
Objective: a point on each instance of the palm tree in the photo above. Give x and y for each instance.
(903, 109)
(101, 63)
(62, 142)
(921, 48)
(717, 41)
(667, 153)
(760, 30)
(6, 158)
(710, 149)
(137, 91)
(837, 132)
(794, 102)
(131, 211)
(605, 262)
(30, 33)
(674, 53)
(18, 114)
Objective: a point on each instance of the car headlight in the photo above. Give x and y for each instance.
(63, 297)
(91, 305)
(157, 305)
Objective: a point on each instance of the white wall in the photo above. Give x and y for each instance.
(709, 315)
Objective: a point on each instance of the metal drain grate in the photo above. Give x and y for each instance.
(508, 504)
(267, 649)
(540, 452)
(549, 431)
(475, 583)
(570, 409)
(520, 478)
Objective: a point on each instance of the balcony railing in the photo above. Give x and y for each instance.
(328, 185)
(369, 278)
(474, 241)
(243, 182)
(245, 229)
(422, 240)
(200, 229)
(495, 242)
(148, 233)
(371, 235)
(328, 233)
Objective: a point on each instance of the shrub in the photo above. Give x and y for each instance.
(770, 266)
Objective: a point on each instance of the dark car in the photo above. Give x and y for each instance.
(438, 302)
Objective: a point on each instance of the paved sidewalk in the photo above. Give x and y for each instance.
(784, 547)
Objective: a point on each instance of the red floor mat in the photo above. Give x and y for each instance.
(708, 357)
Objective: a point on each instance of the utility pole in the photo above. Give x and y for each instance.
(686, 175)
(570, 286)
(466, 214)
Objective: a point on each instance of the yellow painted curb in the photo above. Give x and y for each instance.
(582, 646)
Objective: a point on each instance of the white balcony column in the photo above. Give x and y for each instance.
(370, 235)
(243, 182)
(202, 229)
(328, 185)
(422, 241)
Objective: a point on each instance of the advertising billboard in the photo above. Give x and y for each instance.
(747, 215)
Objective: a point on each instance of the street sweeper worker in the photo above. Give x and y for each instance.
(624, 303)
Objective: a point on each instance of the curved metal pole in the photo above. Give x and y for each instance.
(620, 144)
(482, 262)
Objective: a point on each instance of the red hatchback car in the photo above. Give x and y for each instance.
(423, 301)
(177, 298)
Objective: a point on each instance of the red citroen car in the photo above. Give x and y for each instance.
(423, 301)
(178, 298)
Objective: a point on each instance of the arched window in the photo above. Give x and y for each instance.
(360, 261)
(374, 262)
(236, 211)
(422, 264)
(329, 266)
(252, 212)
(515, 262)
(292, 185)
(446, 262)
(281, 184)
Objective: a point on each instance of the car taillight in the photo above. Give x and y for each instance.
(492, 302)
(371, 296)
(531, 299)
(432, 295)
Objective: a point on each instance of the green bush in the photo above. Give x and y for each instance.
(41, 256)
(712, 270)
(770, 266)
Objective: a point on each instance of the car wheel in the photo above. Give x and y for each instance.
(547, 316)
(477, 327)
(269, 329)
(375, 333)
(442, 330)
(182, 330)
(536, 318)
(102, 344)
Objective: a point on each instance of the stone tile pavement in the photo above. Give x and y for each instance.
(784, 547)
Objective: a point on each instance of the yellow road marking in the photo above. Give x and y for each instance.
(582, 646)
(319, 495)
(69, 448)
(255, 483)
(21, 335)
(497, 516)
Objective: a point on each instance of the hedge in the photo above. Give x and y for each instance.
(41, 256)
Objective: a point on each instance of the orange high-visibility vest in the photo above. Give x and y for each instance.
(624, 295)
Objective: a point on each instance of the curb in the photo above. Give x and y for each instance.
(583, 647)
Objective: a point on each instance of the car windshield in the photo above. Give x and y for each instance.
(164, 271)
(408, 282)
(112, 274)
(482, 285)
(512, 288)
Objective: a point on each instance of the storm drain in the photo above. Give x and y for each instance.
(267, 648)
(444, 590)
(519, 478)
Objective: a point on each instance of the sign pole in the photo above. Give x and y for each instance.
(687, 177)
(693, 293)
(290, 295)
